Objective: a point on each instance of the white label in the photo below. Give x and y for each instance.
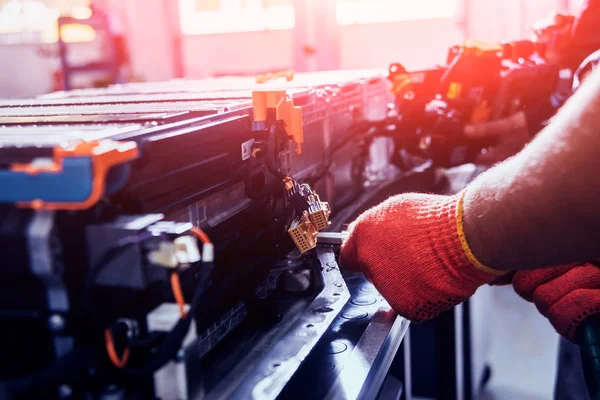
(247, 149)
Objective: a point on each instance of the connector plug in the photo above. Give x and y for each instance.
(319, 212)
(303, 233)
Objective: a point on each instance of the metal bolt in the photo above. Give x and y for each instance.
(56, 322)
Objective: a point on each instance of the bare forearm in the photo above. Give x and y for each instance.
(542, 207)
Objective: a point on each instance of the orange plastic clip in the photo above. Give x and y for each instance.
(480, 47)
(288, 183)
(288, 74)
(285, 110)
(401, 84)
(104, 154)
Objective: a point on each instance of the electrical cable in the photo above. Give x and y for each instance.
(77, 363)
(178, 293)
(357, 166)
(201, 235)
(122, 245)
(321, 171)
(176, 282)
(174, 338)
(117, 361)
(172, 341)
(260, 194)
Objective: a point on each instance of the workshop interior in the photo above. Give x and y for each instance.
(177, 178)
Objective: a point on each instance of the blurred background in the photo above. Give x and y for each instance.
(147, 40)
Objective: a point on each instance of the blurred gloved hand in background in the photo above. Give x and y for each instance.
(510, 134)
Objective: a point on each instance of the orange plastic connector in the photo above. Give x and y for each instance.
(303, 233)
(104, 154)
(288, 74)
(479, 47)
(401, 84)
(119, 362)
(288, 183)
(285, 110)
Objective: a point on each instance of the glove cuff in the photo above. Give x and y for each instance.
(584, 301)
(439, 233)
(465, 244)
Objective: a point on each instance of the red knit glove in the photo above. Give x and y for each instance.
(565, 295)
(412, 247)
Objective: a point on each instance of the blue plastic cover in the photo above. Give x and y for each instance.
(73, 184)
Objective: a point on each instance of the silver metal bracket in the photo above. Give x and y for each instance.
(331, 238)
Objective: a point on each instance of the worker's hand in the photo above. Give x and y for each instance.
(410, 247)
(565, 295)
(510, 135)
